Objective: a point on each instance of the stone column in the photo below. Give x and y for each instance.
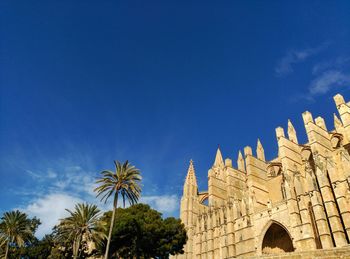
(204, 232)
(307, 235)
(230, 230)
(329, 203)
(340, 190)
(317, 207)
(197, 238)
(338, 176)
(293, 211)
(210, 234)
(321, 220)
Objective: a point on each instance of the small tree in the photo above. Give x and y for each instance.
(125, 182)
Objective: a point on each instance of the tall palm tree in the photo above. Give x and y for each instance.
(125, 181)
(16, 229)
(82, 225)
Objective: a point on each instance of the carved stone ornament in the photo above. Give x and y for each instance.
(274, 169)
(319, 162)
(308, 167)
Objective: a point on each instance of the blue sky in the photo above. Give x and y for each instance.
(158, 83)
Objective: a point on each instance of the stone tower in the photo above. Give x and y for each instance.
(189, 206)
(296, 202)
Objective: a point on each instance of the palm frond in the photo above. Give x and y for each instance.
(82, 224)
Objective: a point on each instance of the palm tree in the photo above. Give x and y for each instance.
(124, 181)
(16, 229)
(82, 225)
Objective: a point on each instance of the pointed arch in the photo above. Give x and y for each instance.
(276, 239)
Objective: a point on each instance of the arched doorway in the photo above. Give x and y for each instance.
(277, 240)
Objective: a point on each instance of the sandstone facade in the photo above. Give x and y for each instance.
(299, 201)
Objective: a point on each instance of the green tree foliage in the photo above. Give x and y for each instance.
(141, 232)
(124, 182)
(81, 229)
(16, 230)
(38, 249)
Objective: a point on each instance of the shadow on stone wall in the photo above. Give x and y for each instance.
(277, 240)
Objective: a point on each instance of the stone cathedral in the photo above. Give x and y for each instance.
(297, 204)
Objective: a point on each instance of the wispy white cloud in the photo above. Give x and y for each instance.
(61, 188)
(324, 76)
(167, 204)
(32, 174)
(50, 209)
(58, 189)
(323, 83)
(292, 57)
(327, 80)
(66, 178)
(332, 64)
(51, 173)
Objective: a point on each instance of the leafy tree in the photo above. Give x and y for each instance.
(173, 238)
(38, 249)
(17, 230)
(81, 228)
(125, 182)
(41, 249)
(141, 232)
(61, 247)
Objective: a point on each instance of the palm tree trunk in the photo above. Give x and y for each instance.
(75, 249)
(7, 249)
(111, 227)
(79, 251)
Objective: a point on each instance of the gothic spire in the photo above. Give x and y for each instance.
(240, 162)
(292, 135)
(191, 176)
(260, 151)
(219, 161)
